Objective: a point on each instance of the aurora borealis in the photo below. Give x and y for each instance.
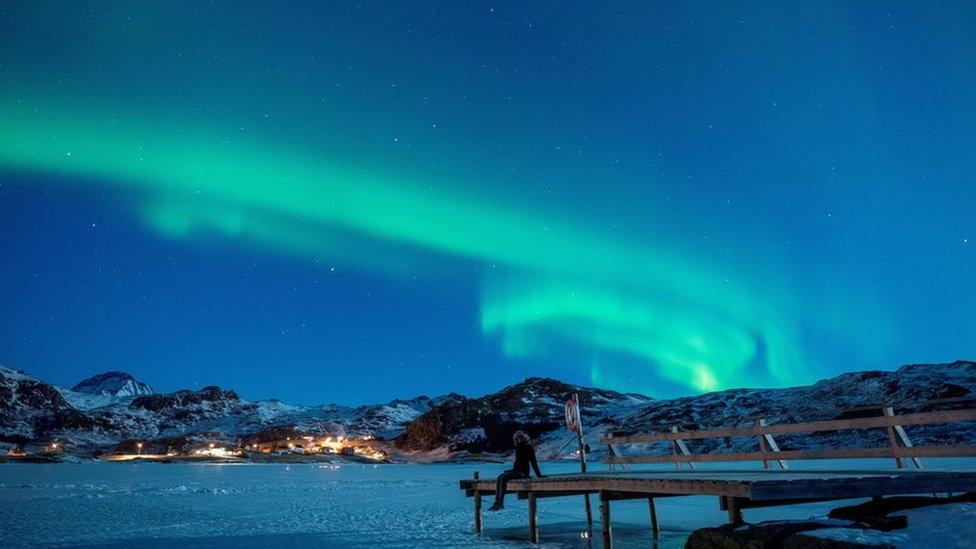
(663, 216)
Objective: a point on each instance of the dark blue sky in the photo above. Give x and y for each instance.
(339, 202)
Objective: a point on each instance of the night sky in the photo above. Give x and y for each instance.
(341, 202)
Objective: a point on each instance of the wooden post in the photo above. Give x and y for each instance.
(680, 445)
(533, 527)
(674, 449)
(735, 511)
(589, 511)
(888, 411)
(653, 511)
(477, 506)
(605, 521)
(581, 448)
(767, 442)
(907, 443)
(762, 448)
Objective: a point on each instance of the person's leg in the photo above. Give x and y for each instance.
(500, 486)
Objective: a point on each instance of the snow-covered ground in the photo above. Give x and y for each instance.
(950, 525)
(349, 505)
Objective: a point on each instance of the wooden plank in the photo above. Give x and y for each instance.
(923, 418)
(621, 496)
(616, 495)
(785, 486)
(888, 412)
(525, 495)
(914, 404)
(907, 443)
(769, 441)
(845, 453)
(648, 486)
(853, 487)
(680, 444)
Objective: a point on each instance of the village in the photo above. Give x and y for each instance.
(200, 448)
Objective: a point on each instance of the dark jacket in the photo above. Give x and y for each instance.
(525, 456)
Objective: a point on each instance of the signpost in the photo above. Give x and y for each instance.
(575, 423)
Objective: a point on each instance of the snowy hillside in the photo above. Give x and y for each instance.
(485, 424)
(452, 425)
(536, 405)
(109, 408)
(847, 395)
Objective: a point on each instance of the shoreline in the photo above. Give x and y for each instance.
(256, 458)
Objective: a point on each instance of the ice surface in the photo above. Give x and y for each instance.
(352, 505)
(950, 525)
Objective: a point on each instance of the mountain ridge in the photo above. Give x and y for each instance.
(32, 411)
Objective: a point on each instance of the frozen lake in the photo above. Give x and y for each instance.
(249, 505)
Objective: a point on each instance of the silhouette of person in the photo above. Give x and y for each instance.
(524, 456)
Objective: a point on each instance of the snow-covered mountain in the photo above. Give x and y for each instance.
(105, 413)
(536, 405)
(103, 390)
(114, 384)
(31, 410)
(854, 394)
(485, 424)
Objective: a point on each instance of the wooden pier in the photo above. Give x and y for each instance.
(737, 489)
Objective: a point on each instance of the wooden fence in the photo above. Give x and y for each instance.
(900, 446)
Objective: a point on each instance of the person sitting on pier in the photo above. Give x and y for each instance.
(524, 456)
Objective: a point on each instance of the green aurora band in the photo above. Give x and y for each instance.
(545, 282)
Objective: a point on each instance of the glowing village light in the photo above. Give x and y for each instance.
(215, 451)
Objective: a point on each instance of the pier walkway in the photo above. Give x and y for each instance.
(737, 488)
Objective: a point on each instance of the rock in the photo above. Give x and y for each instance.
(877, 513)
(768, 535)
(749, 536)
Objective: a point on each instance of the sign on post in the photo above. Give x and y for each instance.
(573, 415)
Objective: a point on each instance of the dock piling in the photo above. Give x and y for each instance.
(477, 506)
(607, 529)
(734, 507)
(653, 512)
(533, 527)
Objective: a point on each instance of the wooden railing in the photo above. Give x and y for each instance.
(900, 448)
